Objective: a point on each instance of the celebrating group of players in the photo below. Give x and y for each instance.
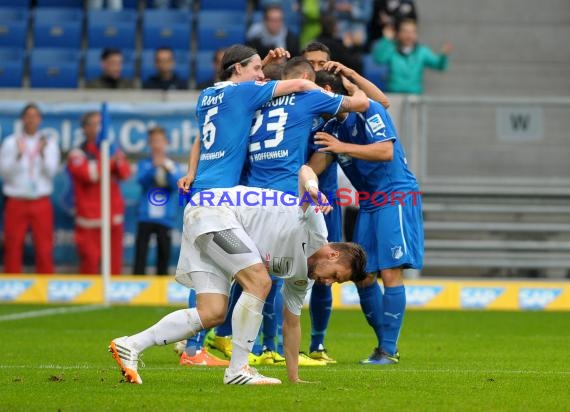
(275, 136)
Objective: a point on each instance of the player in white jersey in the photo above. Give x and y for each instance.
(243, 233)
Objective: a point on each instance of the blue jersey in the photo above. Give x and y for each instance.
(279, 139)
(328, 179)
(158, 206)
(224, 114)
(372, 126)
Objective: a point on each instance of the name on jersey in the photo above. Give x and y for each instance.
(213, 156)
(288, 100)
(275, 154)
(212, 100)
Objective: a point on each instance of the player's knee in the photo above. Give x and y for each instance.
(392, 277)
(369, 280)
(255, 281)
(212, 317)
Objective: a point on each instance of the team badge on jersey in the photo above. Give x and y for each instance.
(397, 252)
(376, 123)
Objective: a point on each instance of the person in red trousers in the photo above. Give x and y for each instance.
(29, 161)
(84, 165)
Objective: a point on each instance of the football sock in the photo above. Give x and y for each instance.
(196, 342)
(320, 307)
(225, 329)
(246, 321)
(371, 304)
(269, 328)
(173, 327)
(279, 318)
(392, 317)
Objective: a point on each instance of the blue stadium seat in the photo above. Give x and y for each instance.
(239, 5)
(219, 18)
(60, 3)
(13, 27)
(93, 64)
(169, 28)
(182, 67)
(54, 68)
(111, 29)
(11, 67)
(376, 73)
(219, 36)
(58, 27)
(131, 4)
(24, 4)
(204, 69)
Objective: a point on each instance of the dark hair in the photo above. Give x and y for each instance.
(87, 117)
(30, 106)
(236, 54)
(401, 22)
(296, 67)
(271, 6)
(324, 78)
(163, 48)
(110, 51)
(156, 129)
(273, 71)
(354, 256)
(316, 46)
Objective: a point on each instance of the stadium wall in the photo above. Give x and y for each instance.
(420, 294)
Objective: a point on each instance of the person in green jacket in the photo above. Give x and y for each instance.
(406, 58)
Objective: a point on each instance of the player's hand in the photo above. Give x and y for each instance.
(275, 55)
(329, 143)
(320, 200)
(447, 48)
(338, 68)
(185, 182)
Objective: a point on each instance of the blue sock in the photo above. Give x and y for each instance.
(196, 342)
(225, 329)
(269, 328)
(392, 317)
(279, 317)
(320, 308)
(371, 304)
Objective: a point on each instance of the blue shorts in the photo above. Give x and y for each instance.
(333, 221)
(392, 236)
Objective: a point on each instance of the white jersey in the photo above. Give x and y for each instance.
(284, 235)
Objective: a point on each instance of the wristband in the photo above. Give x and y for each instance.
(312, 183)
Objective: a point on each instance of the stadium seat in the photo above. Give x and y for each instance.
(218, 18)
(93, 64)
(58, 27)
(376, 73)
(24, 4)
(204, 70)
(239, 5)
(182, 67)
(111, 29)
(60, 3)
(54, 68)
(11, 67)
(13, 27)
(215, 37)
(169, 28)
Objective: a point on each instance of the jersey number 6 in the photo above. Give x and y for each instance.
(209, 129)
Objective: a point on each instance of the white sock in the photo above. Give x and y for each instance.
(174, 327)
(246, 321)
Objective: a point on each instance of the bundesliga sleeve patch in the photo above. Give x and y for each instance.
(331, 94)
(260, 83)
(376, 123)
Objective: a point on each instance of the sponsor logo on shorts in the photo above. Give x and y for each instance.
(537, 298)
(421, 295)
(479, 297)
(65, 290)
(126, 291)
(12, 289)
(397, 252)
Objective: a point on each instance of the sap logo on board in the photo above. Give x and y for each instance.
(177, 293)
(66, 290)
(537, 298)
(479, 297)
(421, 295)
(126, 291)
(12, 289)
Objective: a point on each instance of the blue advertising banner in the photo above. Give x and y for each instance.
(128, 127)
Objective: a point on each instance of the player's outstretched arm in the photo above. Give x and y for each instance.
(274, 55)
(371, 90)
(185, 182)
(291, 343)
(294, 85)
(309, 184)
(319, 162)
(374, 152)
(356, 101)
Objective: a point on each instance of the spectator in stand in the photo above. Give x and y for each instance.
(177, 4)
(111, 67)
(337, 49)
(110, 4)
(156, 172)
(217, 66)
(272, 33)
(352, 18)
(407, 59)
(165, 77)
(84, 165)
(389, 13)
(28, 163)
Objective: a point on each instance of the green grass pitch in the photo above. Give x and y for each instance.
(459, 361)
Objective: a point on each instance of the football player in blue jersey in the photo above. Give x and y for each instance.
(320, 304)
(224, 113)
(389, 225)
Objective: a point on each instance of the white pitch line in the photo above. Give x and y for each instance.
(50, 312)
